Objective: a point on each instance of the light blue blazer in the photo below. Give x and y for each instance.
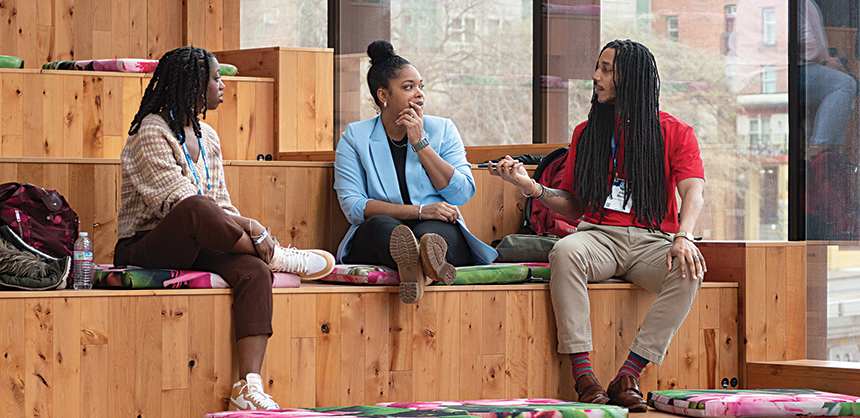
(364, 170)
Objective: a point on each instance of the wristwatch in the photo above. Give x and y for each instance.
(687, 235)
(420, 144)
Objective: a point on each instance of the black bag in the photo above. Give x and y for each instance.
(520, 248)
(41, 218)
(25, 268)
(538, 219)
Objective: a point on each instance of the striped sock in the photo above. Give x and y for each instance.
(632, 366)
(581, 364)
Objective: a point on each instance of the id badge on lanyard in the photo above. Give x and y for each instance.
(615, 200)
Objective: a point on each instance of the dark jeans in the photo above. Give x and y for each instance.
(198, 235)
(370, 244)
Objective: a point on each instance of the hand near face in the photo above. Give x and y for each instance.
(413, 118)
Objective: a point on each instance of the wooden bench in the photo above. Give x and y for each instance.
(171, 353)
(827, 376)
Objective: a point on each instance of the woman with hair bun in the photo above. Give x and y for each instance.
(400, 178)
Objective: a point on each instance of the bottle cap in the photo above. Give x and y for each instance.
(82, 234)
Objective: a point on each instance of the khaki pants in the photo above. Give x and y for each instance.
(596, 253)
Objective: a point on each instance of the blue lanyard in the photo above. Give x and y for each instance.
(614, 160)
(191, 163)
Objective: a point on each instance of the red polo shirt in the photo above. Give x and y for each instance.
(682, 161)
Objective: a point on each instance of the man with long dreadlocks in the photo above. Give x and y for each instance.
(624, 165)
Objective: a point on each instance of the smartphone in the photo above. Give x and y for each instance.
(484, 165)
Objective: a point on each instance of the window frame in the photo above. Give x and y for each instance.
(768, 26)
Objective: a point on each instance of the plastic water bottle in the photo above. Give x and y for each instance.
(82, 263)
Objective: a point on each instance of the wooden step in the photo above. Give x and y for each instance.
(827, 376)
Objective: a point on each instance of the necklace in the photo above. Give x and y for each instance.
(397, 144)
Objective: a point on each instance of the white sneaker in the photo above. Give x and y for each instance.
(248, 395)
(308, 264)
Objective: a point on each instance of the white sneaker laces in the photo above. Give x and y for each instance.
(261, 398)
(294, 260)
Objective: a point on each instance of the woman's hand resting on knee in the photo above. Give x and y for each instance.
(440, 211)
(266, 248)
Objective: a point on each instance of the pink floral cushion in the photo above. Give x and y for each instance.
(754, 403)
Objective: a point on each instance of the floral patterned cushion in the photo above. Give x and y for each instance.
(7, 61)
(122, 65)
(489, 274)
(517, 408)
(505, 408)
(105, 276)
(754, 403)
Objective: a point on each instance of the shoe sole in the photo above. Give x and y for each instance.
(404, 251)
(433, 249)
(329, 266)
(600, 400)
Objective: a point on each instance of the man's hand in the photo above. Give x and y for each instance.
(512, 171)
(687, 254)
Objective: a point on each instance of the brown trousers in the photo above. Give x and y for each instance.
(198, 235)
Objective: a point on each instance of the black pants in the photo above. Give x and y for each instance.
(198, 235)
(370, 244)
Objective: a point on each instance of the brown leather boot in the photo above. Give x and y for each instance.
(624, 391)
(589, 390)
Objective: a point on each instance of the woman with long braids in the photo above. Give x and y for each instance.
(624, 165)
(176, 212)
(399, 179)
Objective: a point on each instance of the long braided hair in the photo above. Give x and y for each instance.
(637, 103)
(178, 82)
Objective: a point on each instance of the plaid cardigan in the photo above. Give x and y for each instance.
(155, 175)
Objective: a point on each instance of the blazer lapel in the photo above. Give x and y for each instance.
(382, 162)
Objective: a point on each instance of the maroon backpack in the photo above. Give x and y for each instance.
(42, 218)
(538, 219)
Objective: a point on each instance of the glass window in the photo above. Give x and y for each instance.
(768, 17)
(475, 57)
(828, 133)
(299, 23)
(672, 27)
(731, 12)
(768, 79)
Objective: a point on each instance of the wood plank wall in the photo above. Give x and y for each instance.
(170, 353)
(772, 306)
(71, 114)
(42, 31)
(304, 93)
(295, 199)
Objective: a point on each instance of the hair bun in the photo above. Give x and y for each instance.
(379, 51)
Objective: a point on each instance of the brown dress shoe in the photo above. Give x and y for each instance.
(624, 391)
(589, 390)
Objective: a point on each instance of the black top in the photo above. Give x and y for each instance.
(398, 153)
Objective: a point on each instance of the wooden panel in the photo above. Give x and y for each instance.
(172, 352)
(87, 115)
(303, 93)
(836, 377)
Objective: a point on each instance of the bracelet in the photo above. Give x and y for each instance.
(420, 208)
(261, 238)
(534, 186)
(542, 192)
